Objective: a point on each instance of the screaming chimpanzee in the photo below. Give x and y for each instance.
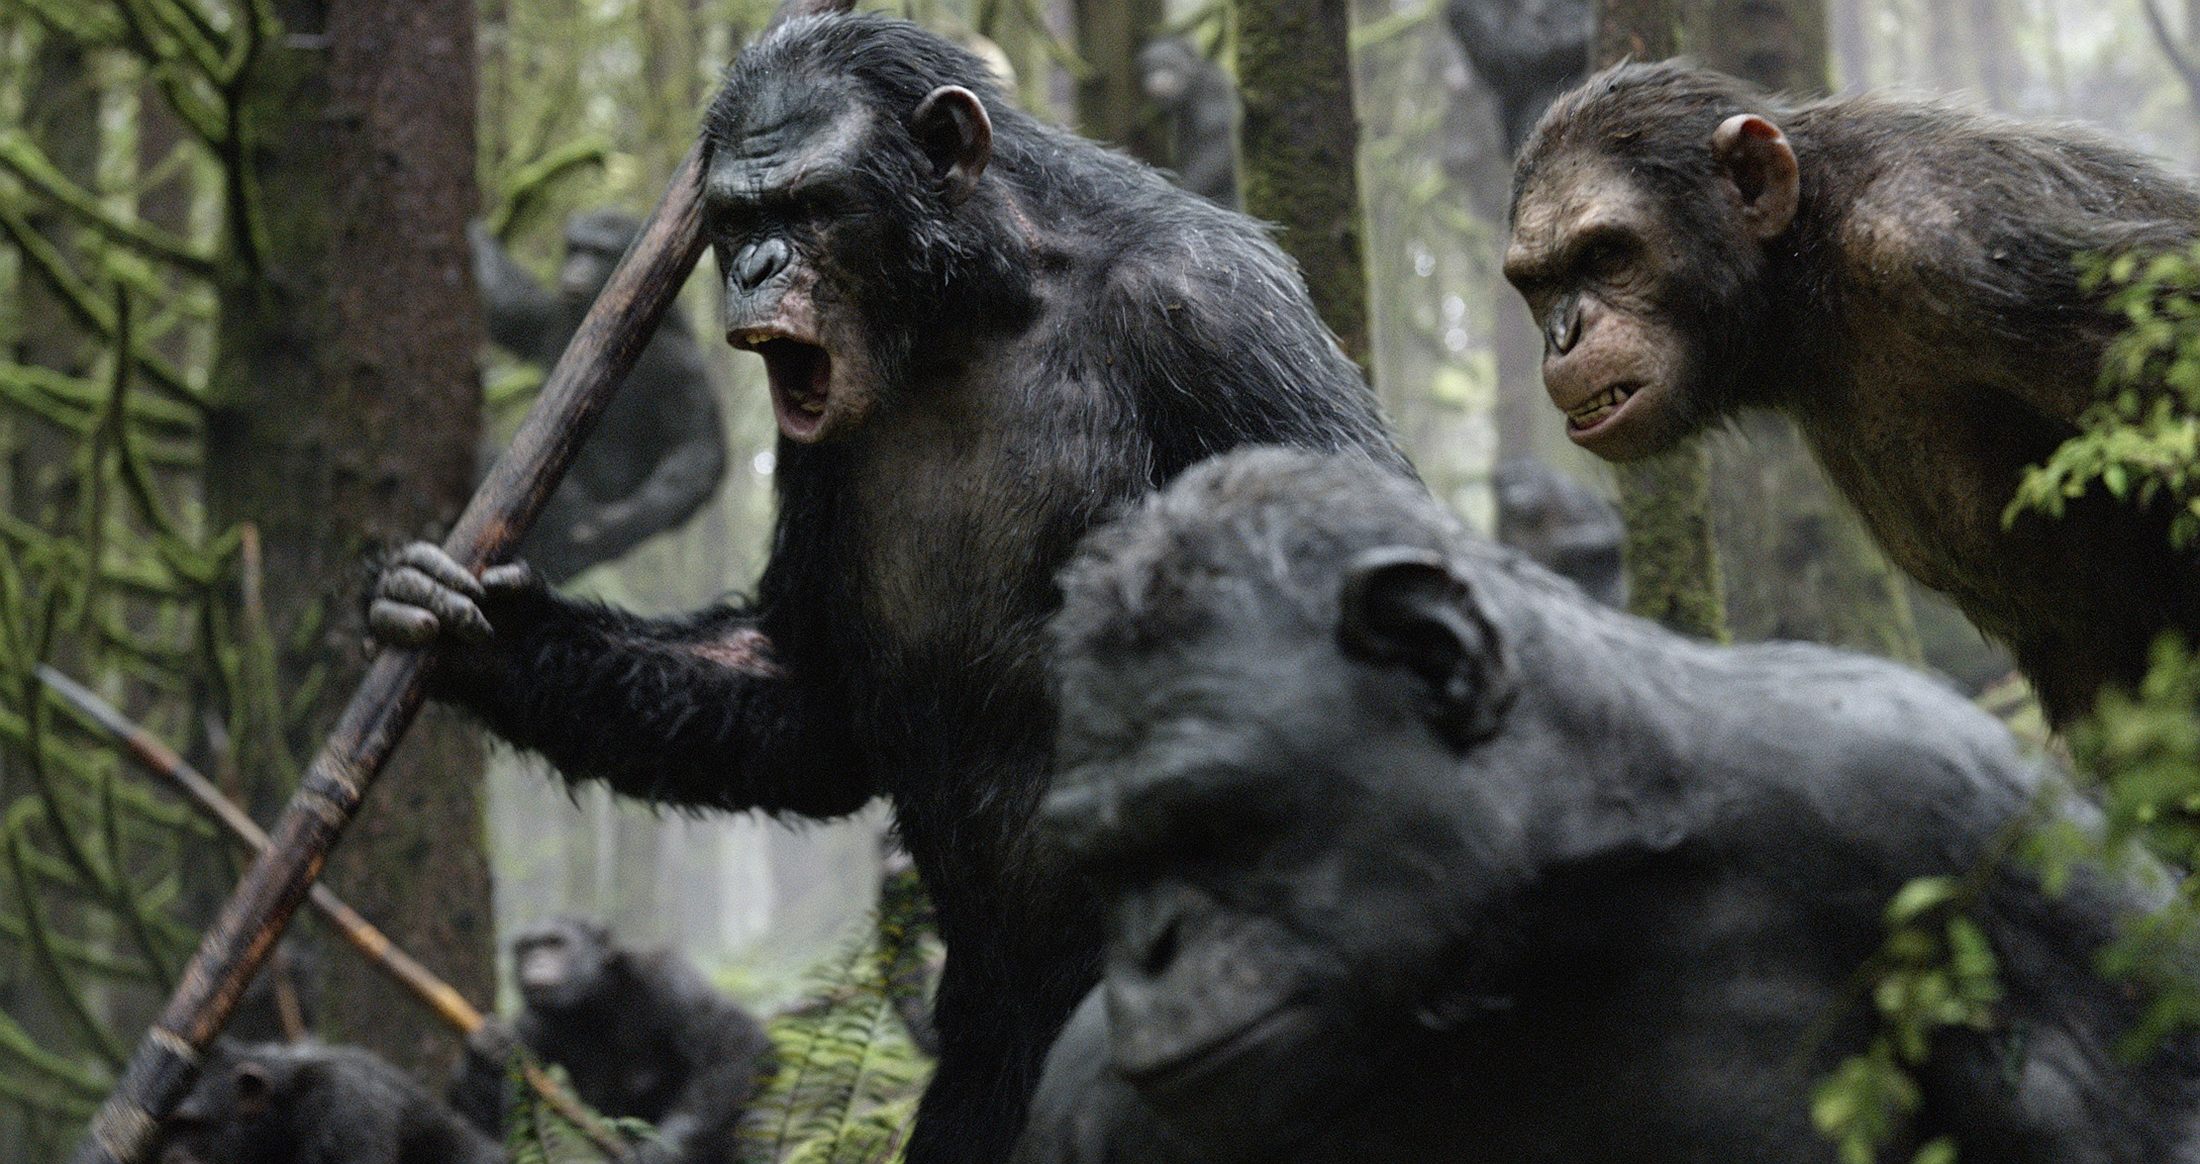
(981, 334)
(306, 1103)
(1411, 853)
(640, 1035)
(659, 449)
(1901, 278)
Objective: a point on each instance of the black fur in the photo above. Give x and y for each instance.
(1623, 918)
(1526, 51)
(639, 1033)
(305, 1103)
(659, 449)
(1072, 334)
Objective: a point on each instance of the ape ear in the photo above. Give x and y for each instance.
(1761, 164)
(952, 128)
(1403, 606)
(254, 1089)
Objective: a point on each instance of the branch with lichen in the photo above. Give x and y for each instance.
(30, 165)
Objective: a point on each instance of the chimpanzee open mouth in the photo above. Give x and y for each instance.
(1605, 404)
(801, 379)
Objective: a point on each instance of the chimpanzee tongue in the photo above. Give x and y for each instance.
(801, 381)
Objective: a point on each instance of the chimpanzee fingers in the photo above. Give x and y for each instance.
(446, 606)
(429, 559)
(492, 1042)
(401, 624)
(510, 576)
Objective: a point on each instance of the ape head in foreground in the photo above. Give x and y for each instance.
(309, 1103)
(1409, 852)
(1902, 278)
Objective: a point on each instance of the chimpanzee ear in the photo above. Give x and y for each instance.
(255, 1090)
(952, 128)
(1403, 606)
(1761, 164)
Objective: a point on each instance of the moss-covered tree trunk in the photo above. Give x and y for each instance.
(1299, 147)
(1672, 566)
(345, 415)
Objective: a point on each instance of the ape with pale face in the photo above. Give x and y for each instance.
(1902, 279)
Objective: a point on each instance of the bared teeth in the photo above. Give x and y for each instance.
(1606, 403)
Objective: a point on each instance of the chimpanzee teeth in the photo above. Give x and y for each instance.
(1606, 403)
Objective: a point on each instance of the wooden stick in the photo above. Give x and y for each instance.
(447, 1003)
(610, 339)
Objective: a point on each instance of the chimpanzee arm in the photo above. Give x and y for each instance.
(523, 316)
(727, 1052)
(697, 709)
(683, 478)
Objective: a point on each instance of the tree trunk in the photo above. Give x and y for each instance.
(1299, 140)
(1110, 105)
(345, 416)
(1672, 566)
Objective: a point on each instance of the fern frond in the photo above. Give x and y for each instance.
(848, 1077)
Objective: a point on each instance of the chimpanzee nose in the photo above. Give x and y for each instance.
(1564, 329)
(760, 261)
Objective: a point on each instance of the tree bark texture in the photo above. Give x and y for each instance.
(1298, 141)
(347, 412)
(1672, 566)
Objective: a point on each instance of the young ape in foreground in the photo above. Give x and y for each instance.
(1411, 854)
(981, 334)
(1899, 277)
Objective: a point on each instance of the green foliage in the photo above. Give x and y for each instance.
(848, 1075)
(1935, 970)
(537, 1133)
(107, 571)
(2140, 441)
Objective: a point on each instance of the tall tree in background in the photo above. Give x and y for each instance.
(1110, 105)
(1299, 143)
(344, 411)
(1672, 566)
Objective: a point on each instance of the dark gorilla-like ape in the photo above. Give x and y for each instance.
(640, 1034)
(1412, 854)
(982, 333)
(1899, 277)
(1196, 97)
(659, 449)
(306, 1103)
(1564, 526)
(1527, 52)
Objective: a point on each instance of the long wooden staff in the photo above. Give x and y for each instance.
(610, 339)
(448, 1004)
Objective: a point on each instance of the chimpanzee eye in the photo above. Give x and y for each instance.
(1605, 255)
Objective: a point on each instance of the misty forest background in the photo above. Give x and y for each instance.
(239, 350)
